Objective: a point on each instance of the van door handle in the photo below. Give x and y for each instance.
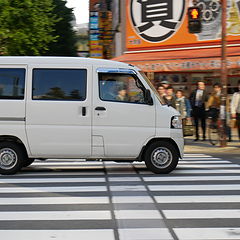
(84, 111)
(100, 108)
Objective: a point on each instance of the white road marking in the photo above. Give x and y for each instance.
(55, 215)
(202, 214)
(90, 234)
(198, 199)
(53, 189)
(191, 178)
(54, 200)
(194, 187)
(208, 233)
(137, 214)
(52, 180)
(132, 199)
(145, 234)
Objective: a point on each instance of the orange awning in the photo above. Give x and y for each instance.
(182, 60)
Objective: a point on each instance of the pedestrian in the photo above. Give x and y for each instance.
(170, 98)
(161, 92)
(197, 99)
(235, 108)
(214, 101)
(165, 84)
(213, 107)
(183, 106)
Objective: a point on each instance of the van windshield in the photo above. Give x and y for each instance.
(152, 87)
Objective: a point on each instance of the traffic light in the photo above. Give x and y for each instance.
(194, 20)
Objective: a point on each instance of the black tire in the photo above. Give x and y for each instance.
(12, 157)
(161, 157)
(28, 162)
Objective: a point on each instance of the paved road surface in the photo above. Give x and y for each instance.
(77, 200)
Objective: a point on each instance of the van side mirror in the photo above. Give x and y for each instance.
(148, 97)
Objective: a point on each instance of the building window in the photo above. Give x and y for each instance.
(59, 84)
(12, 83)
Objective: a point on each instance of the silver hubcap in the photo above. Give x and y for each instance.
(8, 158)
(161, 157)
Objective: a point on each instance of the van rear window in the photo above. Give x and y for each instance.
(12, 83)
(59, 84)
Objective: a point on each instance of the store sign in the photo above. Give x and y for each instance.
(186, 65)
(156, 20)
(96, 49)
(163, 23)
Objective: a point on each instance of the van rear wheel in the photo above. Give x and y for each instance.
(12, 157)
(161, 157)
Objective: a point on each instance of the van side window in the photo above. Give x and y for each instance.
(59, 84)
(12, 83)
(120, 87)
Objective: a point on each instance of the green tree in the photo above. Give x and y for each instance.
(65, 45)
(26, 26)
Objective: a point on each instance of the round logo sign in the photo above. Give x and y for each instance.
(156, 20)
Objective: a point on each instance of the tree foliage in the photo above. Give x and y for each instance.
(26, 26)
(65, 45)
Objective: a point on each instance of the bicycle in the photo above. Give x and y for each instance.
(213, 126)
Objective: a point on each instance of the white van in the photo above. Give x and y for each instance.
(60, 107)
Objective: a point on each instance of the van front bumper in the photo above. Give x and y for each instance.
(177, 136)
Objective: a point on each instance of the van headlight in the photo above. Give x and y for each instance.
(176, 122)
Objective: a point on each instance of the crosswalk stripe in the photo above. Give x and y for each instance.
(67, 163)
(55, 215)
(132, 199)
(203, 162)
(199, 158)
(198, 199)
(52, 180)
(202, 214)
(54, 200)
(128, 188)
(191, 178)
(106, 234)
(210, 166)
(145, 234)
(137, 214)
(180, 170)
(208, 233)
(214, 187)
(53, 189)
(27, 173)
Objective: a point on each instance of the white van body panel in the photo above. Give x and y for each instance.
(58, 129)
(124, 127)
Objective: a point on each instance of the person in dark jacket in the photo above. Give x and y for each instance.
(198, 98)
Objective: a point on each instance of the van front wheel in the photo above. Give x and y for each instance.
(11, 158)
(161, 157)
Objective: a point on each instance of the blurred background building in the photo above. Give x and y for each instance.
(154, 36)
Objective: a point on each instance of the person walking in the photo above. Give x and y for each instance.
(235, 108)
(197, 99)
(183, 106)
(214, 101)
(161, 92)
(169, 98)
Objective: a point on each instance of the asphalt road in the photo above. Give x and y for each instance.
(71, 200)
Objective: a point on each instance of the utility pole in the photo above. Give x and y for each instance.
(224, 75)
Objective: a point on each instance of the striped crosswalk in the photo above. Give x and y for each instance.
(75, 199)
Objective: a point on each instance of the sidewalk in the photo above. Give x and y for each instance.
(206, 147)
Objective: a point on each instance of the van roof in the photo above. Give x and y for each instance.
(60, 60)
